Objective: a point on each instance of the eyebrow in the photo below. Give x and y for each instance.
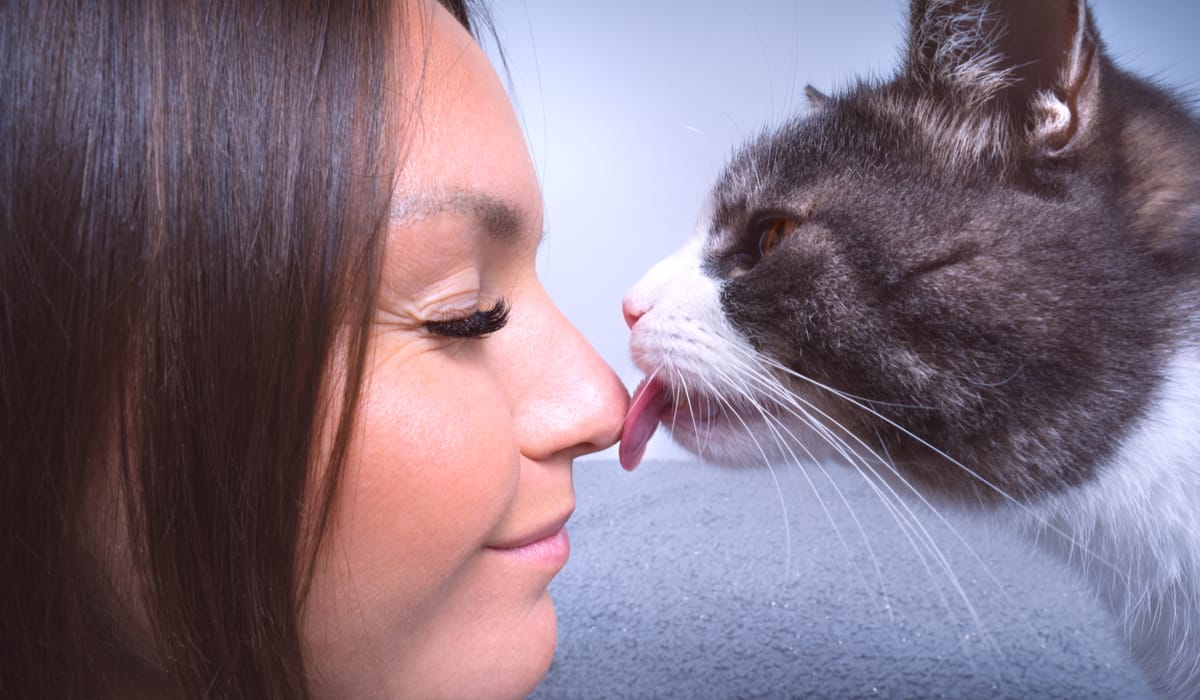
(503, 220)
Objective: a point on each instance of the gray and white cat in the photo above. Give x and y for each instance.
(978, 280)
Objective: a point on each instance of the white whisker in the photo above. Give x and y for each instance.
(799, 407)
(1096, 556)
(774, 477)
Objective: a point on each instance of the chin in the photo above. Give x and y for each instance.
(750, 441)
(523, 653)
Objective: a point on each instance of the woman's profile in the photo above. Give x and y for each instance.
(271, 424)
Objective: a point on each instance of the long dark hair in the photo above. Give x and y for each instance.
(192, 199)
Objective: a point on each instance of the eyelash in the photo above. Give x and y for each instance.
(476, 324)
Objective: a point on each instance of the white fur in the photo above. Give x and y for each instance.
(1134, 533)
(684, 338)
(965, 54)
(682, 335)
(957, 136)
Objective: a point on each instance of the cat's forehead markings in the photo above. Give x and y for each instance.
(956, 135)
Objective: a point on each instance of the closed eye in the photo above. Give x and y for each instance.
(955, 257)
(476, 324)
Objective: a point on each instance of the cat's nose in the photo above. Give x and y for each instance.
(633, 310)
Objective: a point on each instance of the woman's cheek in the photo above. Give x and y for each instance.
(429, 474)
(434, 469)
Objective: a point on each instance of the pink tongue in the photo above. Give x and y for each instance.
(642, 420)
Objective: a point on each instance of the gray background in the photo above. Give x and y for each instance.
(688, 581)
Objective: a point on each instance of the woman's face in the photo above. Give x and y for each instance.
(449, 521)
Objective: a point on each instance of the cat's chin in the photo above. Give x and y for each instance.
(746, 439)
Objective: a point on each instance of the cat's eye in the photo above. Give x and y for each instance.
(773, 230)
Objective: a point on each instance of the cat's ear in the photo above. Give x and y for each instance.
(816, 98)
(1039, 60)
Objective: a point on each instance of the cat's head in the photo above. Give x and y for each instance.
(963, 273)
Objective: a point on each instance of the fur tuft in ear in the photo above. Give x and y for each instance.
(1062, 113)
(1033, 62)
(952, 47)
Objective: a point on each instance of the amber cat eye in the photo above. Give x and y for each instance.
(774, 230)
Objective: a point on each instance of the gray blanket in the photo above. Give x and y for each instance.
(685, 582)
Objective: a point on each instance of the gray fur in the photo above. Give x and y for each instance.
(1007, 285)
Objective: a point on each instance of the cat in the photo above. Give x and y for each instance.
(978, 280)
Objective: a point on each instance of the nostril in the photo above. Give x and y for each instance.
(632, 312)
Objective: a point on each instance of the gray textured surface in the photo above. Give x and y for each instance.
(683, 584)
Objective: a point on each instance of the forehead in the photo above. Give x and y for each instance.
(768, 172)
(460, 133)
(869, 147)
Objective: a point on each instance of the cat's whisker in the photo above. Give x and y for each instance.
(683, 386)
(786, 399)
(895, 504)
(789, 401)
(771, 470)
(812, 459)
(912, 526)
(799, 407)
(919, 538)
(1025, 509)
(774, 425)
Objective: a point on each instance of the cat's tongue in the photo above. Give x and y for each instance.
(642, 420)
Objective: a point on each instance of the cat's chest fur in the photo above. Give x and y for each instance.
(977, 281)
(1134, 530)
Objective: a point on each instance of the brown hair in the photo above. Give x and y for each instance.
(192, 200)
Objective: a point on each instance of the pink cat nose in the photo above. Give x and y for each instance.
(633, 311)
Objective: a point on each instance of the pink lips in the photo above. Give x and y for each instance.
(554, 548)
(549, 544)
(645, 411)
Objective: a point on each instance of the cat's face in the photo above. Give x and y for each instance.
(912, 279)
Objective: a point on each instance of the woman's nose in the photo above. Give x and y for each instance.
(576, 404)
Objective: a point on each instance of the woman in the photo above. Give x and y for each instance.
(285, 409)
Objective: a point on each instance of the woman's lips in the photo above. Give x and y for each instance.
(548, 544)
(553, 549)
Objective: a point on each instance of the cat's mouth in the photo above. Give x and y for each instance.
(656, 402)
(650, 400)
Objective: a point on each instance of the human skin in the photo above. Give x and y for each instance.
(427, 584)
